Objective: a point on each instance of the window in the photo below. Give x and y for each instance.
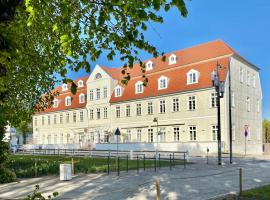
(258, 106)
(105, 92)
(193, 133)
(139, 135)
(61, 138)
(139, 109)
(248, 104)
(241, 74)
(91, 111)
(233, 132)
(67, 117)
(213, 102)
(98, 93)
(61, 118)
(35, 121)
(176, 133)
(149, 65)
(55, 103)
(248, 78)
(117, 111)
(54, 119)
(91, 95)
(162, 135)
(162, 107)
(68, 138)
(49, 120)
(55, 138)
(43, 120)
(64, 87)
(74, 117)
(80, 83)
(192, 76)
(162, 82)
(127, 110)
(98, 113)
(172, 59)
(191, 102)
(105, 112)
(139, 87)
(254, 80)
(150, 108)
(233, 99)
(98, 76)
(81, 116)
(175, 105)
(150, 135)
(118, 91)
(68, 101)
(128, 137)
(82, 98)
(214, 132)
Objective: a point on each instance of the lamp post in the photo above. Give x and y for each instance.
(156, 120)
(219, 88)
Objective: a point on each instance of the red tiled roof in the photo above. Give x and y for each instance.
(74, 98)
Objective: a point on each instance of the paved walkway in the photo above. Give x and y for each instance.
(197, 181)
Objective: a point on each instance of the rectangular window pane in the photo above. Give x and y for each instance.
(127, 110)
(175, 105)
(117, 111)
(150, 108)
(162, 107)
(176, 133)
(139, 109)
(191, 103)
(193, 133)
(98, 113)
(150, 135)
(139, 135)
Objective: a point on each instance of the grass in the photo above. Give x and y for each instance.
(259, 193)
(24, 165)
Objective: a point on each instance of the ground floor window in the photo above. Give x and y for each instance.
(176, 133)
(214, 132)
(150, 135)
(162, 134)
(106, 137)
(68, 138)
(193, 133)
(139, 135)
(128, 136)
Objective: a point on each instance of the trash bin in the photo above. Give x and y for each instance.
(65, 172)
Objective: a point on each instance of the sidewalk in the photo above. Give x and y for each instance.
(197, 181)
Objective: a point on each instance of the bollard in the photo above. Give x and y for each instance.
(137, 164)
(118, 170)
(170, 161)
(143, 162)
(35, 167)
(184, 160)
(240, 181)
(173, 159)
(159, 160)
(158, 189)
(108, 171)
(127, 163)
(155, 163)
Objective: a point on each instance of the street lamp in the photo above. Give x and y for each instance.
(156, 120)
(219, 87)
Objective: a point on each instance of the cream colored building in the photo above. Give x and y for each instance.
(179, 94)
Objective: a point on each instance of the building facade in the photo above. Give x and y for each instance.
(177, 110)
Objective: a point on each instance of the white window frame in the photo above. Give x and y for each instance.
(162, 106)
(98, 113)
(248, 104)
(127, 110)
(254, 80)
(150, 135)
(213, 100)
(80, 98)
(117, 112)
(68, 101)
(172, 59)
(80, 83)
(214, 131)
(149, 65)
(118, 91)
(192, 133)
(233, 98)
(194, 104)
(91, 95)
(91, 114)
(105, 92)
(139, 135)
(55, 103)
(160, 83)
(248, 78)
(105, 112)
(175, 104)
(150, 108)
(67, 117)
(64, 87)
(98, 96)
(176, 134)
(241, 74)
(138, 109)
(81, 116)
(192, 77)
(139, 88)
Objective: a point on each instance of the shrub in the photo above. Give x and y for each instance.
(7, 176)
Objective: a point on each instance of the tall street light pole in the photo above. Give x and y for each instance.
(219, 88)
(156, 120)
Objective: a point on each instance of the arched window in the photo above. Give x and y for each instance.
(68, 101)
(139, 87)
(81, 98)
(162, 82)
(98, 76)
(192, 77)
(118, 91)
(149, 65)
(80, 83)
(64, 87)
(172, 59)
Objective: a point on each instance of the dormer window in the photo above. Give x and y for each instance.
(81, 98)
(162, 82)
(118, 91)
(192, 76)
(98, 76)
(149, 65)
(139, 87)
(55, 103)
(64, 87)
(80, 83)
(172, 59)
(68, 101)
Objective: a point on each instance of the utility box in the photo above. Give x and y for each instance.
(65, 172)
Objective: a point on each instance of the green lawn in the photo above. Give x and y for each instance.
(259, 193)
(24, 165)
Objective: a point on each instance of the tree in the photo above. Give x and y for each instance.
(266, 130)
(41, 39)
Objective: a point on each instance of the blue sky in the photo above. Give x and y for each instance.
(243, 24)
